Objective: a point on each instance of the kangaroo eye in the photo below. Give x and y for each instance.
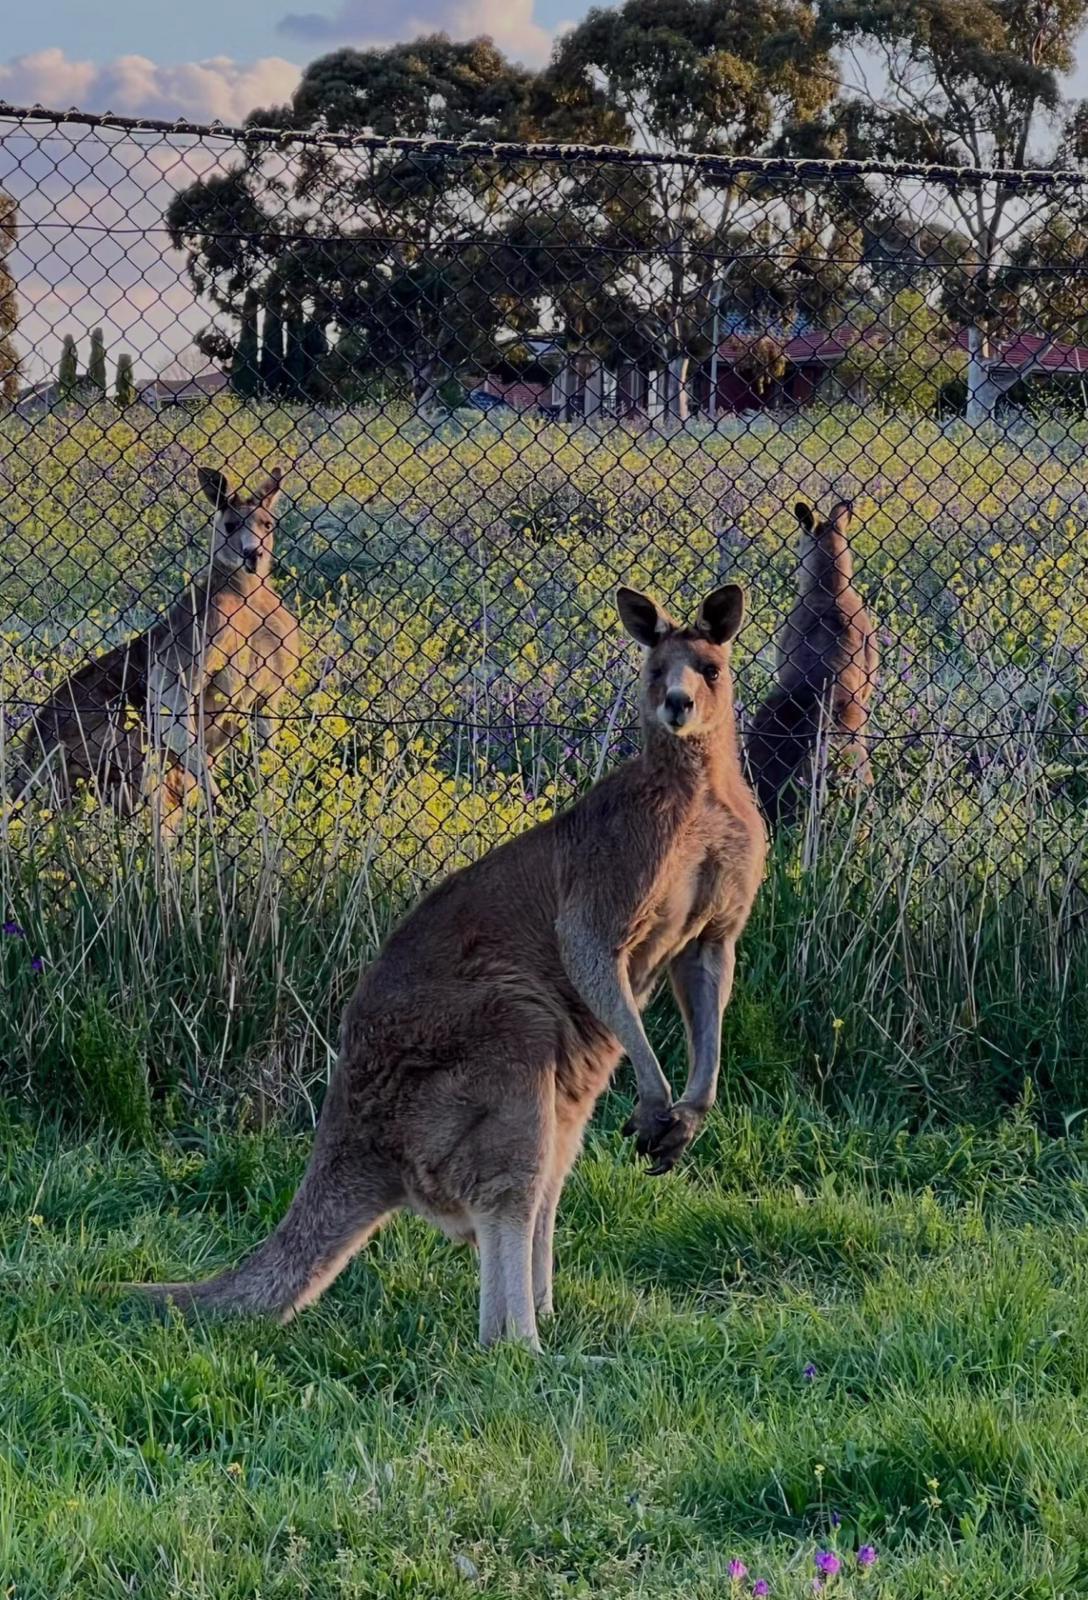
(711, 673)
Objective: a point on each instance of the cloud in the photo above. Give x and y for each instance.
(510, 23)
(202, 91)
(91, 246)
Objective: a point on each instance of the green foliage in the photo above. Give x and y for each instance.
(272, 350)
(124, 388)
(96, 362)
(68, 371)
(109, 1070)
(245, 375)
(9, 303)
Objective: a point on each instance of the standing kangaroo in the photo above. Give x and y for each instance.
(827, 669)
(478, 1042)
(226, 647)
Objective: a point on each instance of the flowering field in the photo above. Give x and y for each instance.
(843, 1346)
(466, 674)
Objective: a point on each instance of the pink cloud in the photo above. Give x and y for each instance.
(217, 89)
(511, 23)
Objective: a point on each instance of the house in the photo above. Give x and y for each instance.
(568, 384)
(579, 385)
(193, 389)
(804, 367)
(37, 398)
(1031, 355)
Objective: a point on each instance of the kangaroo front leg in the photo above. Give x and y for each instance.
(600, 977)
(173, 724)
(702, 980)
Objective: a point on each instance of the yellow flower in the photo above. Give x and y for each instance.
(838, 1024)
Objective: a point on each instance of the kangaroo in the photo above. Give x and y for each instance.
(226, 647)
(827, 670)
(479, 1040)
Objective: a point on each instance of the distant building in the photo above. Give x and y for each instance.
(195, 389)
(37, 398)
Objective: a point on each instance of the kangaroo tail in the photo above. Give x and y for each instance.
(781, 743)
(333, 1214)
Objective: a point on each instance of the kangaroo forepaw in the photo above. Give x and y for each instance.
(680, 1128)
(646, 1124)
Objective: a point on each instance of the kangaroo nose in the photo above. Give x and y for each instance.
(678, 703)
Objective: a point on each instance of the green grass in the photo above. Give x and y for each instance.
(938, 1283)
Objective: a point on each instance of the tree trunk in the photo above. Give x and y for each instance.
(594, 390)
(980, 401)
(677, 396)
(985, 386)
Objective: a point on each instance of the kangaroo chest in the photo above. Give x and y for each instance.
(702, 883)
(248, 653)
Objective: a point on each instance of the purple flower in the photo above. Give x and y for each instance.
(37, 965)
(761, 1589)
(737, 1570)
(867, 1556)
(809, 1371)
(816, 1585)
(836, 1520)
(13, 930)
(828, 1563)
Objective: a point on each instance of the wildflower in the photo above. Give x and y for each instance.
(836, 1520)
(761, 1589)
(808, 1371)
(36, 1220)
(816, 1585)
(867, 1556)
(737, 1570)
(838, 1024)
(234, 1469)
(828, 1563)
(37, 965)
(13, 930)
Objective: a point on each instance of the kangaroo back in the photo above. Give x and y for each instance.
(827, 668)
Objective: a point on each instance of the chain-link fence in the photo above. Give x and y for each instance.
(499, 381)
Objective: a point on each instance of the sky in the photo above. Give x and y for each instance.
(219, 58)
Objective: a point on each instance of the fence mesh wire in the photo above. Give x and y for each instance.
(499, 381)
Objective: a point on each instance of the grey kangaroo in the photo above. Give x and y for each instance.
(479, 1040)
(827, 670)
(172, 698)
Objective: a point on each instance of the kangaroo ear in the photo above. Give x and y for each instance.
(841, 516)
(722, 613)
(642, 617)
(215, 486)
(804, 516)
(269, 492)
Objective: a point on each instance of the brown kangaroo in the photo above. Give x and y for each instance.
(226, 647)
(479, 1040)
(827, 670)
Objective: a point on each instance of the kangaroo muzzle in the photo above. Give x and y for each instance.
(676, 709)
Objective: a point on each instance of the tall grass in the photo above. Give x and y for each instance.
(466, 676)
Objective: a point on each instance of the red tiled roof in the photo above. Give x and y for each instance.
(818, 344)
(1035, 348)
